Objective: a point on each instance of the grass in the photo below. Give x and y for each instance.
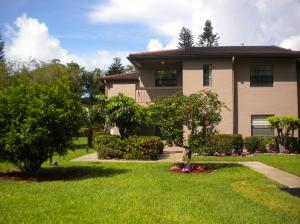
(289, 163)
(82, 192)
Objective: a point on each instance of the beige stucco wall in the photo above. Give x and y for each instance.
(222, 84)
(281, 99)
(127, 88)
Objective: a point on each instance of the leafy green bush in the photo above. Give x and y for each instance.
(38, 120)
(166, 113)
(293, 144)
(134, 147)
(143, 147)
(255, 143)
(198, 144)
(221, 143)
(227, 143)
(105, 152)
(108, 146)
(126, 114)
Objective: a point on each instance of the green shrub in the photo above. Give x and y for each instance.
(227, 143)
(108, 146)
(143, 147)
(293, 144)
(105, 152)
(255, 143)
(134, 147)
(221, 143)
(38, 121)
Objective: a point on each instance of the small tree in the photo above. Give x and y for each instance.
(202, 113)
(186, 39)
(285, 127)
(95, 116)
(2, 64)
(92, 85)
(37, 120)
(116, 67)
(130, 68)
(166, 114)
(208, 38)
(126, 114)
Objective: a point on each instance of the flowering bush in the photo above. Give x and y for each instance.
(201, 115)
(191, 168)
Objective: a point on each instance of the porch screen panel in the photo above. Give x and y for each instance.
(166, 78)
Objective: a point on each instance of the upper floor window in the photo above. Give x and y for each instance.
(207, 75)
(166, 78)
(261, 75)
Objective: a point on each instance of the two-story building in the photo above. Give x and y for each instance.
(253, 81)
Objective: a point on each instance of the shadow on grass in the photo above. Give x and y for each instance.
(81, 146)
(206, 167)
(292, 191)
(64, 174)
(217, 166)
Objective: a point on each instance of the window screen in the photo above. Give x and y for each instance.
(261, 75)
(260, 126)
(207, 75)
(166, 78)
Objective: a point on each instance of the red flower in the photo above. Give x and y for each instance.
(190, 106)
(206, 122)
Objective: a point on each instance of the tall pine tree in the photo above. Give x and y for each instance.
(116, 67)
(208, 38)
(2, 64)
(186, 39)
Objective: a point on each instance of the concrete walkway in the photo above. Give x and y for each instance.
(171, 154)
(282, 177)
(175, 154)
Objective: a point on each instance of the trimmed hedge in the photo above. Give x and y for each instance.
(134, 147)
(108, 146)
(143, 147)
(221, 143)
(255, 143)
(227, 143)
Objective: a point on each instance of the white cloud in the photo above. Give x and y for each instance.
(30, 39)
(292, 42)
(154, 45)
(246, 21)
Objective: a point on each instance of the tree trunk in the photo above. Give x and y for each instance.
(90, 137)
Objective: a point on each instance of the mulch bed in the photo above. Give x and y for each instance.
(192, 168)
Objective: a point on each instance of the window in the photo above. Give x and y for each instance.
(261, 75)
(166, 78)
(206, 75)
(260, 126)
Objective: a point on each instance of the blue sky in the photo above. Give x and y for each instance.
(68, 21)
(93, 32)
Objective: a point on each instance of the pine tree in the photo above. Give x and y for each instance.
(116, 67)
(2, 64)
(208, 38)
(186, 38)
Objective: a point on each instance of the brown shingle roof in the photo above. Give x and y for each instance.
(132, 76)
(224, 51)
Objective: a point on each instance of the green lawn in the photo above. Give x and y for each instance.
(82, 192)
(290, 163)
